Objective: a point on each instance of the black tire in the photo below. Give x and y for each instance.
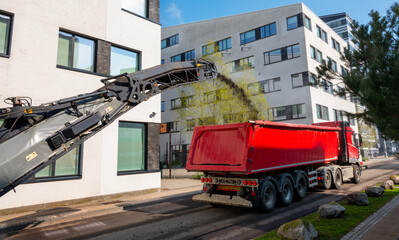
(287, 192)
(268, 196)
(301, 187)
(327, 181)
(337, 179)
(356, 174)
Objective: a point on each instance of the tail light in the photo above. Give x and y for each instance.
(202, 179)
(210, 180)
(319, 178)
(245, 182)
(249, 183)
(254, 183)
(206, 179)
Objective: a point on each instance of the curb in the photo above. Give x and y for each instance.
(20, 223)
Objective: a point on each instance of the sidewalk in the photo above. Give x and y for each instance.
(170, 189)
(382, 225)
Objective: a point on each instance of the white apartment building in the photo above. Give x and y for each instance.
(52, 49)
(283, 45)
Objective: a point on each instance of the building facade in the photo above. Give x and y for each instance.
(283, 46)
(55, 49)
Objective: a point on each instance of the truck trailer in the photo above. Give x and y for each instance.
(261, 163)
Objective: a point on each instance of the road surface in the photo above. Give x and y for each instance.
(185, 219)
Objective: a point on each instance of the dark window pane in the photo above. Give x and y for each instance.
(273, 29)
(163, 44)
(292, 22)
(123, 60)
(296, 50)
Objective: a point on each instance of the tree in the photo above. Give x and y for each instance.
(373, 76)
(214, 102)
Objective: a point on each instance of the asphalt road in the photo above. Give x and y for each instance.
(186, 219)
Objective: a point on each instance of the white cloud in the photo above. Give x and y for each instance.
(174, 13)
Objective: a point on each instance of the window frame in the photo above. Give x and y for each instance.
(52, 166)
(168, 42)
(127, 49)
(257, 33)
(145, 151)
(183, 56)
(71, 52)
(10, 34)
(308, 20)
(216, 46)
(297, 22)
(322, 112)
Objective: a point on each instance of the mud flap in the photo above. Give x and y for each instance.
(223, 199)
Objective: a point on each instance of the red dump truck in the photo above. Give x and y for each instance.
(261, 163)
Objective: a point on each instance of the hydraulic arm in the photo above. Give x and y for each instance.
(32, 137)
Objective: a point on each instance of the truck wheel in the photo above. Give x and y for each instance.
(337, 179)
(327, 179)
(267, 197)
(301, 187)
(287, 192)
(356, 174)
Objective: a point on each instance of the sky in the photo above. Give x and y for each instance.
(175, 12)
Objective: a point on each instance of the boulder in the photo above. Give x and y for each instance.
(297, 229)
(395, 179)
(358, 198)
(387, 184)
(375, 191)
(331, 210)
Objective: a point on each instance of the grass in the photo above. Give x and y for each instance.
(198, 176)
(338, 227)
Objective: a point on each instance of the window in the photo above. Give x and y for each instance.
(138, 7)
(123, 61)
(190, 124)
(66, 166)
(273, 56)
(175, 103)
(313, 80)
(174, 126)
(297, 80)
(216, 46)
(333, 64)
(338, 115)
(322, 112)
(5, 34)
(343, 71)
(292, 22)
(293, 51)
(282, 54)
(351, 119)
(318, 31)
(271, 85)
(324, 36)
(319, 56)
(312, 52)
(258, 33)
(75, 52)
(327, 86)
(186, 56)
(351, 97)
(288, 112)
(239, 65)
(187, 101)
(163, 106)
(131, 146)
(341, 92)
(162, 61)
(308, 23)
(335, 45)
(170, 41)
